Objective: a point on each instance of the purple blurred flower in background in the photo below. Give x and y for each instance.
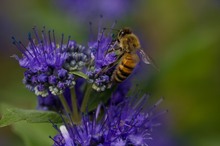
(89, 9)
(127, 123)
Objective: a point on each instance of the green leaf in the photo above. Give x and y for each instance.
(102, 97)
(12, 115)
(35, 134)
(80, 74)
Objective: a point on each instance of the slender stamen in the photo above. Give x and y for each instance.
(64, 121)
(54, 140)
(36, 34)
(34, 48)
(100, 24)
(92, 126)
(141, 100)
(103, 123)
(90, 31)
(19, 47)
(135, 116)
(155, 105)
(99, 33)
(112, 27)
(72, 123)
(68, 42)
(44, 51)
(140, 104)
(61, 44)
(50, 43)
(159, 114)
(99, 40)
(76, 130)
(26, 49)
(54, 125)
(85, 123)
(44, 35)
(54, 39)
(119, 119)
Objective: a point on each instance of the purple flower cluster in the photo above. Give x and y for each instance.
(64, 73)
(48, 64)
(127, 123)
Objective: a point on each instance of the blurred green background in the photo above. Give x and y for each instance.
(182, 36)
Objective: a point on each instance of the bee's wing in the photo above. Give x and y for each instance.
(144, 57)
(147, 59)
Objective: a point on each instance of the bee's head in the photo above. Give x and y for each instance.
(123, 32)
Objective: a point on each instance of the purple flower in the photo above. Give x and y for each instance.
(127, 123)
(48, 64)
(100, 72)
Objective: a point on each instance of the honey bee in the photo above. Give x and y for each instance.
(128, 44)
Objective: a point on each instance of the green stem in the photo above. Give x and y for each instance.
(74, 105)
(65, 104)
(86, 98)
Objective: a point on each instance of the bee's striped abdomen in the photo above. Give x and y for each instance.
(125, 67)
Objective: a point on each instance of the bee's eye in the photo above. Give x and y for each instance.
(121, 33)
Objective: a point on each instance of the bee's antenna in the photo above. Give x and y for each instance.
(99, 39)
(90, 30)
(100, 24)
(54, 39)
(111, 29)
(113, 25)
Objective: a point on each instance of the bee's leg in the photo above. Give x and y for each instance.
(109, 51)
(109, 85)
(105, 69)
(114, 47)
(112, 80)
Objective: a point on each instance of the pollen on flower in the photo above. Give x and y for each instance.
(66, 135)
(48, 63)
(78, 56)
